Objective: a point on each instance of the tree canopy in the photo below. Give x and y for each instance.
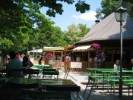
(109, 6)
(75, 33)
(54, 6)
(24, 27)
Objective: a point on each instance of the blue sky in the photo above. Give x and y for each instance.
(70, 16)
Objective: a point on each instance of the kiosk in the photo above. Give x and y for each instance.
(53, 56)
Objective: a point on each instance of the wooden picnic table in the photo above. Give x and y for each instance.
(104, 73)
(49, 85)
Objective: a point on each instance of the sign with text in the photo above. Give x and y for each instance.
(76, 64)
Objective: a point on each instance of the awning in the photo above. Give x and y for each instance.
(37, 51)
(53, 48)
(82, 48)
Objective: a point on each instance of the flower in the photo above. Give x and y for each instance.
(96, 45)
(49, 55)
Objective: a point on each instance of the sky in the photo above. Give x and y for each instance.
(71, 16)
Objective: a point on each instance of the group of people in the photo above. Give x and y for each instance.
(100, 60)
(117, 66)
(15, 64)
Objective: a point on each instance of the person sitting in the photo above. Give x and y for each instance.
(26, 65)
(26, 62)
(18, 56)
(14, 66)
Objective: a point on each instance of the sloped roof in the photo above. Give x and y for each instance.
(109, 29)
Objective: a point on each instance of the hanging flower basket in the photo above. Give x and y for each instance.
(49, 55)
(95, 45)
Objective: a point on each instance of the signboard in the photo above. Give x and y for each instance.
(76, 64)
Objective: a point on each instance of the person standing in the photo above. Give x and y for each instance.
(78, 59)
(102, 60)
(117, 67)
(67, 63)
(14, 64)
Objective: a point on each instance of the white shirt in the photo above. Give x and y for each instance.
(67, 58)
(116, 67)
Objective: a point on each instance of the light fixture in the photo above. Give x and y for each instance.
(121, 16)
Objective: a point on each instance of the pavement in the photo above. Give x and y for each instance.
(97, 94)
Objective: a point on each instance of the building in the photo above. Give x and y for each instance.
(107, 34)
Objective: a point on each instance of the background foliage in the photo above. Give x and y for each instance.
(109, 6)
(23, 26)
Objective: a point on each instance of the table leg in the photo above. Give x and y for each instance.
(90, 92)
(103, 82)
(77, 95)
(128, 90)
(86, 86)
(132, 90)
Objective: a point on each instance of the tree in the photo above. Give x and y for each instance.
(57, 38)
(129, 5)
(128, 1)
(109, 6)
(42, 32)
(52, 37)
(54, 6)
(12, 27)
(83, 29)
(22, 24)
(75, 33)
(18, 19)
(24, 27)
